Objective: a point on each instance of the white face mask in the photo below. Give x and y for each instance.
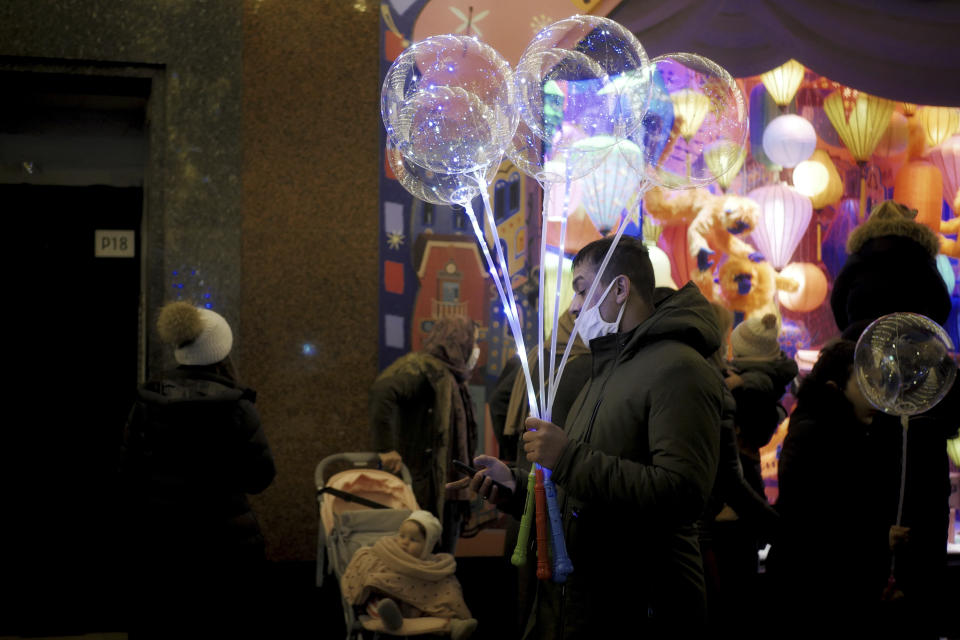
(592, 325)
(474, 357)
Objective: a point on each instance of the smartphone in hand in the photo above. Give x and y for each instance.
(503, 491)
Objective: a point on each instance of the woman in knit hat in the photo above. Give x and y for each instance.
(891, 269)
(400, 577)
(758, 376)
(193, 450)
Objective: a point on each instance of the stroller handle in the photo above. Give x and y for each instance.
(365, 459)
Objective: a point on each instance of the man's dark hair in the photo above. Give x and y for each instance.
(630, 258)
(835, 364)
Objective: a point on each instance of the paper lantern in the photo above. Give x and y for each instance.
(810, 178)
(610, 188)
(717, 156)
(690, 108)
(919, 186)
(782, 83)
(819, 180)
(784, 216)
(862, 129)
(894, 139)
(938, 123)
(946, 157)
(789, 140)
(812, 290)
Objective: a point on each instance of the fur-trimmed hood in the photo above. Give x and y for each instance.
(891, 218)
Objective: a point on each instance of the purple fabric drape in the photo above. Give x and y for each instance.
(901, 50)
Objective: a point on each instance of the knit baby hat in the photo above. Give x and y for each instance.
(431, 527)
(199, 336)
(756, 338)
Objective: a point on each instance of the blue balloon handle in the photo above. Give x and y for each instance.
(562, 566)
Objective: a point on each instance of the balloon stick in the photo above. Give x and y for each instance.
(588, 298)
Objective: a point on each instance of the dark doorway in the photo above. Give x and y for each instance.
(72, 155)
(76, 342)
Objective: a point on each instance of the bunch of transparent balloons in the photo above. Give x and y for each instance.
(585, 113)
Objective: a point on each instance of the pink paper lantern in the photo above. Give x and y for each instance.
(785, 214)
(946, 157)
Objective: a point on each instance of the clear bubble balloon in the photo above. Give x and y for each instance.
(903, 363)
(706, 113)
(562, 158)
(587, 71)
(652, 137)
(433, 186)
(448, 104)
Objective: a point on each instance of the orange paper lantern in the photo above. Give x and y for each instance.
(919, 185)
(812, 290)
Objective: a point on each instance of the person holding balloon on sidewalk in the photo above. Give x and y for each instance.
(636, 460)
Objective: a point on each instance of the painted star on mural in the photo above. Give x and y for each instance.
(395, 239)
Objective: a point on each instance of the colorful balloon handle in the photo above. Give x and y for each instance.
(543, 549)
(519, 557)
(562, 566)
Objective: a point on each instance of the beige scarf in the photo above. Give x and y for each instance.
(428, 584)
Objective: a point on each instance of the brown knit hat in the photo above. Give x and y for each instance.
(756, 338)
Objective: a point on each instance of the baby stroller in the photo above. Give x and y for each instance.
(358, 506)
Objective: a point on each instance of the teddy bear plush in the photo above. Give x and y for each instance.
(716, 226)
(747, 287)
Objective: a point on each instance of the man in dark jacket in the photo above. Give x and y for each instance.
(635, 461)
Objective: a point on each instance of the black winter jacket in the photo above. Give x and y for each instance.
(193, 449)
(635, 476)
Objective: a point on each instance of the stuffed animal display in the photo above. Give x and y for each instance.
(716, 226)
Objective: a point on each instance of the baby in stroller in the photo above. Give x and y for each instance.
(400, 578)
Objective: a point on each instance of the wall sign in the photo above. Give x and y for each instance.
(114, 243)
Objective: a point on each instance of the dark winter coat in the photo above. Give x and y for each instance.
(410, 412)
(731, 488)
(764, 383)
(921, 565)
(831, 559)
(194, 449)
(634, 478)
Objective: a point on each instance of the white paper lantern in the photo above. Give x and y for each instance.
(789, 140)
(810, 178)
(785, 214)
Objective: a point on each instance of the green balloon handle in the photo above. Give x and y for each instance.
(519, 557)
